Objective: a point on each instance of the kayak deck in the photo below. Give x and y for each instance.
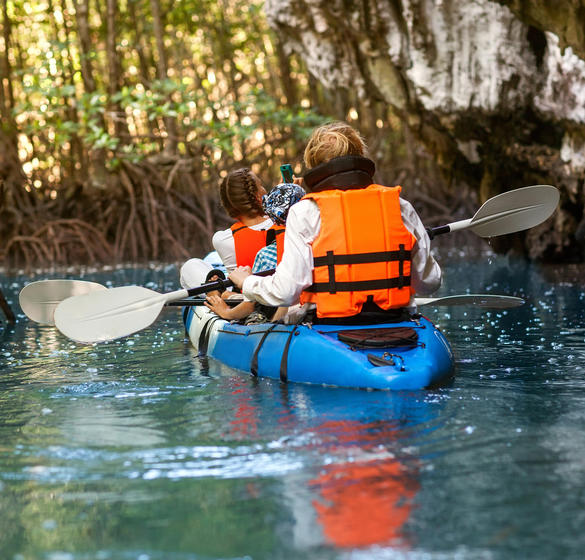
(321, 354)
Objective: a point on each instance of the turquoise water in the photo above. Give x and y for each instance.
(139, 449)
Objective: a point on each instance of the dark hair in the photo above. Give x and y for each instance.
(239, 193)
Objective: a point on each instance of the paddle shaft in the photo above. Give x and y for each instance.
(448, 228)
(433, 232)
(199, 302)
(220, 284)
(489, 301)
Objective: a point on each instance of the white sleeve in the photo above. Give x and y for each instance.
(425, 271)
(295, 271)
(223, 243)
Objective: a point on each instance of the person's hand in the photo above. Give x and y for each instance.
(216, 304)
(214, 278)
(298, 181)
(239, 274)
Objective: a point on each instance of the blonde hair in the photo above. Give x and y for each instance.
(238, 193)
(333, 140)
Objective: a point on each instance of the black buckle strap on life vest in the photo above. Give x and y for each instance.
(343, 173)
(361, 285)
(234, 231)
(364, 258)
(254, 362)
(284, 359)
(401, 259)
(271, 235)
(330, 260)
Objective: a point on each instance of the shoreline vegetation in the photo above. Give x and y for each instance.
(119, 123)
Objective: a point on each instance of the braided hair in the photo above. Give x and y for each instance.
(239, 194)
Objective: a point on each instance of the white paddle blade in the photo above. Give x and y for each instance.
(515, 210)
(110, 314)
(485, 301)
(39, 300)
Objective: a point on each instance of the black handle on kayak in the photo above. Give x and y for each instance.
(222, 284)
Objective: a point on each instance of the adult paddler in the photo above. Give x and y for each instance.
(354, 250)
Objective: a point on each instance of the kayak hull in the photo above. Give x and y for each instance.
(314, 354)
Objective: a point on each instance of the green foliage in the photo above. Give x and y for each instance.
(221, 91)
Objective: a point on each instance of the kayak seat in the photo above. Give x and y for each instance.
(383, 337)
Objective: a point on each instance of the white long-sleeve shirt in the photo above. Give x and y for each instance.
(295, 271)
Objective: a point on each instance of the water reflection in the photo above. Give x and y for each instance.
(356, 482)
(139, 447)
(364, 503)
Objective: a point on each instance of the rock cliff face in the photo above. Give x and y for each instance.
(565, 18)
(494, 90)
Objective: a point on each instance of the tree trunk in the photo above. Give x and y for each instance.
(97, 157)
(162, 73)
(6, 80)
(85, 44)
(116, 110)
(487, 90)
(145, 63)
(76, 153)
(288, 84)
(145, 60)
(12, 176)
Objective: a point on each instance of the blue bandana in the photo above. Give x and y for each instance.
(278, 201)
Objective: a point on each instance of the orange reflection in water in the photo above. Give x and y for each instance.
(364, 502)
(245, 422)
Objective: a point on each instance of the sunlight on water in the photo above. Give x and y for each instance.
(140, 449)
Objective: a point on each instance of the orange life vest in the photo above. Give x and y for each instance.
(362, 252)
(249, 241)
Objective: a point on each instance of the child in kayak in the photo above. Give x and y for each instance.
(241, 193)
(354, 251)
(276, 206)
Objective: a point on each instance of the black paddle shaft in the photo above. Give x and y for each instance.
(200, 301)
(433, 232)
(222, 284)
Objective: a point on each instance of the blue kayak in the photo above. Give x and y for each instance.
(411, 354)
(407, 355)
